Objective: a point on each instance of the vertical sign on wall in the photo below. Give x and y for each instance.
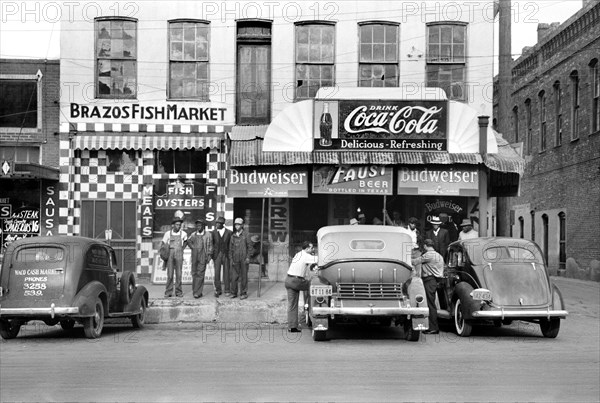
(147, 211)
(279, 238)
(49, 207)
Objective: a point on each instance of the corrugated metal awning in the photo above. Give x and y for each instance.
(249, 153)
(166, 141)
(239, 133)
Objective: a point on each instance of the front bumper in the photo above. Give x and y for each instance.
(51, 311)
(368, 311)
(517, 313)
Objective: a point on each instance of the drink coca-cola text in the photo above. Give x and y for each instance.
(391, 120)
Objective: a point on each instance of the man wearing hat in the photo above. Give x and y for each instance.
(467, 230)
(439, 236)
(200, 242)
(176, 239)
(432, 270)
(240, 248)
(362, 219)
(221, 237)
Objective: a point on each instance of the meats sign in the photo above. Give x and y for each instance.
(383, 125)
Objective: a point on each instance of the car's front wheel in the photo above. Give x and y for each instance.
(138, 321)
(550, 327)
(9, 329)
(462, 326)
(409, 333)
(92, 326)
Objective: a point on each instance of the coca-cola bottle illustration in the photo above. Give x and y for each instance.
(325, 126)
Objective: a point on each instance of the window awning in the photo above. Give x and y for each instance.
(166, 141)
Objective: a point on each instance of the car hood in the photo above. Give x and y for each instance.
(517, 284)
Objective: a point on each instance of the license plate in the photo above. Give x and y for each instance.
(481, 295)
(321, 291)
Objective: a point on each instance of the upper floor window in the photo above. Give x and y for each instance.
(574, 105)
(315, 58)
(116, 57)
(543, 140)
(180, 161)
(21, 104)
(595, 76)
(516, 123)
(528, 123)
(558, 113)
(446, 58)
(378, 60)
(20, 153)
(188, 59)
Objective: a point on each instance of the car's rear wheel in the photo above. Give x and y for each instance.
(67, 324)
(138, 321)
(463, 327)
(411, 334)
(92, 326)
(550, 327)
(127, 287)
(319, 335)
(9, 329)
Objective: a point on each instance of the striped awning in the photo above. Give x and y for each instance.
(166, 141)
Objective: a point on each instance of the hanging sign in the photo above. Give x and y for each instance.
(355, 179)
(438, 181)
(268, 182)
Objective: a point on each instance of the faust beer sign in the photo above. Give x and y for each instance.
(373, 125)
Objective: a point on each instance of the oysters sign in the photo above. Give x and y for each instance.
(379, 125)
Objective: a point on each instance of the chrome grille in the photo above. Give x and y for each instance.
(369, 290)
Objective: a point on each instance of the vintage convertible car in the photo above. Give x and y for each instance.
(365, 272)
(66, 279)
(498, 280)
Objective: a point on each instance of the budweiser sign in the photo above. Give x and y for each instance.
(381, 125)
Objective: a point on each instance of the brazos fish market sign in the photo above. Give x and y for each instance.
(268, 182)
(374, 125)
(355, 179)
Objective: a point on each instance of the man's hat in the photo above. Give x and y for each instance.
(239, 221)
(176, 219)
(361, 215)
(200, 221)
(221, 220)
(435, 220)
(353, 221)
(466, 222)
(255, 238)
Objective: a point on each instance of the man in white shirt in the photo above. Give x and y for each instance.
(296, 281)
(176, 239)
(467, 230)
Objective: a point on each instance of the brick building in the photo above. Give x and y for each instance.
(556, 123)
(29, 148)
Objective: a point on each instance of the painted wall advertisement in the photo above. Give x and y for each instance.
(454, 181)
(355, 179)
(377, 125)
(268, 182)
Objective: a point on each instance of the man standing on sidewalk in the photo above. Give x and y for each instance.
(296, 281)
(176, 239)
(221, 237)
(240, 247)
(200, 242)
(432, 270)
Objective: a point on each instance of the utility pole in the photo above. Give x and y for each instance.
(504, 96)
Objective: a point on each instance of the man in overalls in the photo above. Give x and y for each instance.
(177, 240)
(200, 242)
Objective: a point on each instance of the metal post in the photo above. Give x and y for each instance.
(483, 185)
(260, 256)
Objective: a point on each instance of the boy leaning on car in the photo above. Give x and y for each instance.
(432, 269)
(296, 281)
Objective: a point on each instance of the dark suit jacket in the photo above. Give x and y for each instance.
(220, 244)
(440, 242)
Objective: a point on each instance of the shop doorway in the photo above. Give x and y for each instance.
(114, 219)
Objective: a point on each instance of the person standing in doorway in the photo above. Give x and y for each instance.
(200, 242)
(467, 230)
(297, 281)
(432, 271)
(176, 239)
(221, 237)
(439, 236)
(240, 248)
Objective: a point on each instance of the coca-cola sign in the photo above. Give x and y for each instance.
(386, 125)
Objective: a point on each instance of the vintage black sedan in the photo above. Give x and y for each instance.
(66, 279)
(499, 280)
(364, 273)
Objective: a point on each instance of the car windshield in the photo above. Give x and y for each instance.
(40, 254)
(509, 254)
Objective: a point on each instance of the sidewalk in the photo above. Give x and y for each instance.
(270, 307)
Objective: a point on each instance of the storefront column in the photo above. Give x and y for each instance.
(483, 177)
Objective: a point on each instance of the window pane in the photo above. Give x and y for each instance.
(378, 34)
(18, 103)
(116, 219)
(366, 34)
(130, 218)
(101, 219)
(434, 35)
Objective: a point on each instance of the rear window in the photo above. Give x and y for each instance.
(40, 254)
(367, 244)
(98, 256)
(511, 254)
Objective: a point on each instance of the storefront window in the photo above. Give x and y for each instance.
(180, 161)
(188, 59)
(19, 106)
(378, 55)
(116, 58)
(19, 210)
(121, 161)
(446, 58)
(315, 58)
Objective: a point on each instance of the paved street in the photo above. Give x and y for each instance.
(230, 362)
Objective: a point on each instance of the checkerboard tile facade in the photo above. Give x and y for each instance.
(84, 175)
